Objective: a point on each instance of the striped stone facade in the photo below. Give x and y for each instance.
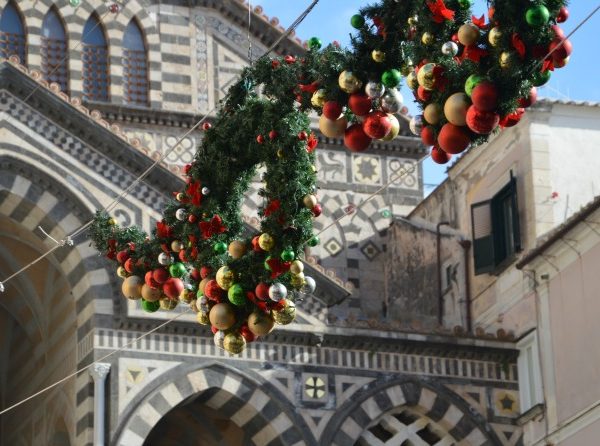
(345, 373)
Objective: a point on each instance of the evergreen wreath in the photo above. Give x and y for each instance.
(469, 78)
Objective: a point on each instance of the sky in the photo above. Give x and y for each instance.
(330, 20)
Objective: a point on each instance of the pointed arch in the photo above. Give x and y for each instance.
(96, 78)
(135, 65)
(12, 33)
(55, 61)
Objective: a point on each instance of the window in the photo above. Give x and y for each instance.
(12, 33)
(496, 234)
(530, 380)
(95, 61)
(55, 63)
(135, 66)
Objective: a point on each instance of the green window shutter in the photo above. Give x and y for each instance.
(515, 214)
(483, 237)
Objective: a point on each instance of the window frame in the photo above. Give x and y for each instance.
(64, 59)
(529, 371)
(86, 65)
(131, 97)
(24, 36)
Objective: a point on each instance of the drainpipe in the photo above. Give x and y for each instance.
(439, 271)
(466, 244)
(99, 371)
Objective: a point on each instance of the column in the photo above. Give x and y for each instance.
(99, 371)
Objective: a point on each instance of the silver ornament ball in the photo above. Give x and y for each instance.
(180, 214)
(165, 259)
(277, 291)
(374, 90)
(416, 124)
(205, 190)
(219, 338)
(309, 285)
(392, 100)
(450, 49)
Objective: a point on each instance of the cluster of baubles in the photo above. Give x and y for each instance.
(451, 120)
(369, 112)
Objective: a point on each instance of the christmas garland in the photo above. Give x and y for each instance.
(468, 76)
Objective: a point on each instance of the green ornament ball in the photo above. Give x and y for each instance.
(267, 267)
(391, 78)
(465, 4)
(236, 295)
(287, 255)
(177, 269)
(314, 43)
(541, 77)
(314, 241)
(537, 15)
(357, 21)
(74, 3)
(220, 248)
(150, 307)
(472, 82)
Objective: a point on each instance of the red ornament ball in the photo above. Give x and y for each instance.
(160, 275)
(122, 256)
(206, 126)
(129, 265)
(213, 291)
(485, 96)
(377, 124)
(317, 210)
(205, 271)
(360, 104)
(192, 218)
(260, 139)
(439, 156)
(195, 274)
(560, 51)
(480, 121)
(247, 334)
(262, 291)
(428, 135)
(187, 168)
(182, 256)
(149, 280)
(255, 245)
(272, 135)
(355, 139)
(453, 139)
(173, 287)
(302, 136)
(529, 100)
(423, 95)
(563, 15)
(114, 8)
(332, 110)
(512, 119)
(558, 32)
(289, 59)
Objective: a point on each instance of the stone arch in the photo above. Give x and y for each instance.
(236, 395)
(428, 399)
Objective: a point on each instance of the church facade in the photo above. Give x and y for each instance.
(90, 97)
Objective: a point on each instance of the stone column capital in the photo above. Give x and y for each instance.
(99, 370)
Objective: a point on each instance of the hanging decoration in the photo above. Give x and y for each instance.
(469, 77)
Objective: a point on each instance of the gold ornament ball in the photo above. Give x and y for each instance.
(202, 285)
(221, 316)
(112, 222)
(395, 128)
(177, 246)
(121, 272)
(151, 294)
(468, 34)
(412, 21)
(348, 82)
(310, 201)
(194, 306)
(224, 277)
(234, 343)
(266, 242)
(495, 36)
(168, 304)
(286, 315)
(318, 98)
(333, 128)
(296, 267)
(432, 113)
(180, 196)
(425, 76)
(132, 287)
(260, 323)
(202, 318)
(427, 38)
(507, 60)
(313, 168)
(236, 249)
(186, 296)
(378, 56)
(297, 280)
(412, 81)
(455, 109)
(280, 153)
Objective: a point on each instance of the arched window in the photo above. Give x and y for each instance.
(95, 61)
(135, 65)
(12, 33)
(55, 63)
